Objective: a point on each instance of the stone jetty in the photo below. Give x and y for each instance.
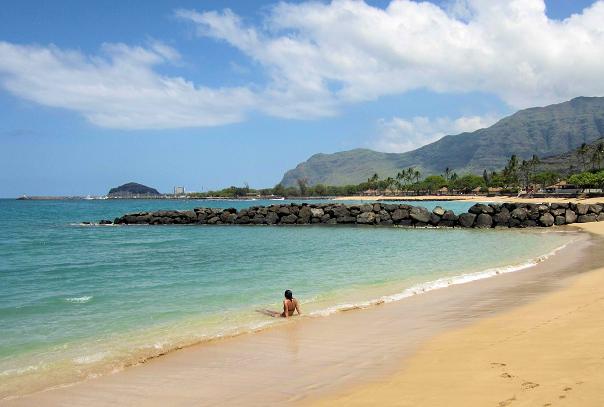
(506, 215)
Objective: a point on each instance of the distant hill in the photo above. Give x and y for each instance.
(545, 131)
(132, 188)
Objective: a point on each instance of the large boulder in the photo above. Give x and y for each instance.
(466, 220)
(590, 217)
(304, 215)
(258, 219)
(366, 218)
(271, 218)
(316, 212)
(439, 211)
(483, 221)
(480, 208)
(450, 216)
(419, 214)
(595, 208)
(570, 216)
(434, 219)
(385, 216)
(289, 219)
(528, 223)
(502, 218)
(339, 211)
(558, 211)
(582, 209)
(346, 219)
(560, 220)
(520, 214)
(399, 214)
(243, 219)
(190, 216)
(366, 208)
(547, 219)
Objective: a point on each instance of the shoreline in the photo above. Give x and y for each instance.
(543, 353)
(177, 363)
(469, 198)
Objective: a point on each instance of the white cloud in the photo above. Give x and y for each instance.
(120, 89)
(319, 57)
(399, 135)
(507, 47)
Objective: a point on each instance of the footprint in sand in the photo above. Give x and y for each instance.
(528, 385)
(507, 402)
(506, 375)
(496, 364)
(567, 389)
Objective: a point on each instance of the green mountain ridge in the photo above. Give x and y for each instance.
(544, 131)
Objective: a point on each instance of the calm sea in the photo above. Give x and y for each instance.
(80, 301)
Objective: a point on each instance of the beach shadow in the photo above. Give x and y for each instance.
(270, 313)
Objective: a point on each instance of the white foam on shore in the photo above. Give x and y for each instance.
(439, 283)
(79, 300)
(87, 359)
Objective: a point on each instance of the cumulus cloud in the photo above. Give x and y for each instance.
(119, 89)
(399, 135)
(348, 51)
(318, 57)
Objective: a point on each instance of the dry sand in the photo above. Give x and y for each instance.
(546, 353)
(469, 198)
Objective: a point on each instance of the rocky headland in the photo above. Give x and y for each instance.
(506, 215)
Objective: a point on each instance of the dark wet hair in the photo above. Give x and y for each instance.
(288, 294)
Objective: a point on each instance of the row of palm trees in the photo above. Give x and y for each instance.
(403, 180)
(595, 159)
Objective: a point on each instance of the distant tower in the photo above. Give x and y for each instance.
(179, 190)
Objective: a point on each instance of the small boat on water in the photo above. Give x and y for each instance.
(277, 199)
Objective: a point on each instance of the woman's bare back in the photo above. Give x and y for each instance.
(289, 307)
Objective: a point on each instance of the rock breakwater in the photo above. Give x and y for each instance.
(507, 215)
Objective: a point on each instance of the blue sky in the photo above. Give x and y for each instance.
(96, 94)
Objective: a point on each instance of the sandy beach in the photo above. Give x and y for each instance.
(546, 353)
(352, 356)
(469, 198)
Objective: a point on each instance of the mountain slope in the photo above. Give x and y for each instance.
(545, 131)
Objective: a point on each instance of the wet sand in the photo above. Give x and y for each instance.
(469, 198)
(549, 352)
(310, 358)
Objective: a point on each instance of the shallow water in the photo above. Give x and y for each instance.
(80, 301)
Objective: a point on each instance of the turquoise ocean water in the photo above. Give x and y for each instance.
(78, 301)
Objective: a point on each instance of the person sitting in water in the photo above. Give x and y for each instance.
(290, 305)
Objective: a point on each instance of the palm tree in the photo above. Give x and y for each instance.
(401, 179)
(447, 173)
(525, 171)
(373, 181)
(388, 183)
(596, 157)
(416, 175)
(510, 172)
(582, 152)
(533, 163)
